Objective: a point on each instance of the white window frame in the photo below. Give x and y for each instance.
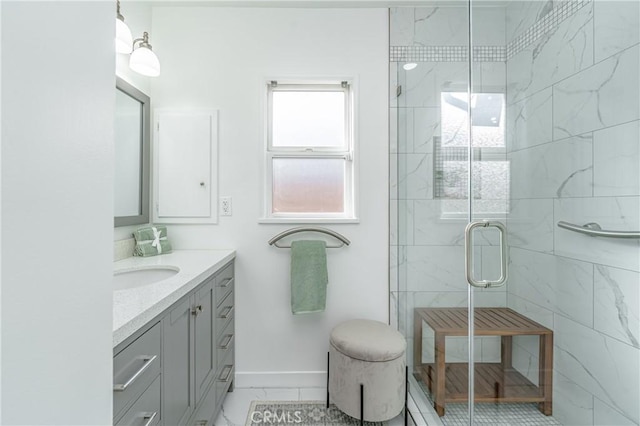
(346, 153)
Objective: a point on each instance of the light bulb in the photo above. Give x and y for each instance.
(124, 39)
(145, 62)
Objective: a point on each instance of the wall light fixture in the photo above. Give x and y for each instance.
(143, 60)
(124, 39)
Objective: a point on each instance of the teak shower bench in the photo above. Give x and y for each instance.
(494, 382)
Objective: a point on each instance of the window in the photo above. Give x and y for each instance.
(490, 169)
(309, 152)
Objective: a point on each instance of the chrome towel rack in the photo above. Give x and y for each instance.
(343, 240)
(594, 230)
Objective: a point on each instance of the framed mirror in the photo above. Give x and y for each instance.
(132, 136)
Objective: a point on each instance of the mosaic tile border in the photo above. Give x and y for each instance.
(547, 23)
(489, 53)
(446, 53)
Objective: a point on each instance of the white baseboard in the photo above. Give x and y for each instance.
(280, 379)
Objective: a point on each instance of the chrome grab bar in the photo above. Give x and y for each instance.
(594, 230)
(468, 246)
(147, 360)
(343, 240)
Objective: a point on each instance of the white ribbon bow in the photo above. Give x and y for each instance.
(156, 239)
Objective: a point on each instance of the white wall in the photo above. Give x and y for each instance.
(0, 216)
(57, 203)
(218, 58)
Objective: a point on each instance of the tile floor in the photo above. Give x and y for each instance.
(502, 414)
(236, 405)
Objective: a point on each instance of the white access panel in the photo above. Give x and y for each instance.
(186, 167)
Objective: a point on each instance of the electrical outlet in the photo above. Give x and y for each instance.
(225, 206)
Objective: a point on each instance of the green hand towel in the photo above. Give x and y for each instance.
(151, 241)
(146, 233)
(146, 249)
(309, 276)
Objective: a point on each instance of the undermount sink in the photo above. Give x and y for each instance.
(131, 278)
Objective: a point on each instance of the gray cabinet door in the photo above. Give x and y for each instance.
(178, 391)
(204, 349)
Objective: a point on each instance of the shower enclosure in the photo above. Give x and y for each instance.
(508, 119)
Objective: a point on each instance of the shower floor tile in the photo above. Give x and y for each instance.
(502, 414)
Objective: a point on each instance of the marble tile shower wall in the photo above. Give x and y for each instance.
(570, 70)
(573, 141)
(427, 250)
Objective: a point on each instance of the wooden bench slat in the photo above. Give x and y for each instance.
(454, 321)
(512, 318)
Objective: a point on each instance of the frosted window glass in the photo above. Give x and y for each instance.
(314, 119)
(490, 168)
(488, 116)
(303, 185)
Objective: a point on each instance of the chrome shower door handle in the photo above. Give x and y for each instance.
(468, 255)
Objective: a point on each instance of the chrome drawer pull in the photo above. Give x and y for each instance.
(148, 360)
(227, 311)
(225, 283)
(150, 417)
(226, 344)
(229, 369)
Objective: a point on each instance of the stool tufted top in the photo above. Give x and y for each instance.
(367, 340)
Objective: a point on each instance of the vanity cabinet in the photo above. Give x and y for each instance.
(204, 316)
(178, 396)
(136, 373)
(146, 410)
(215, 367)
(192, 346)
(189, 353)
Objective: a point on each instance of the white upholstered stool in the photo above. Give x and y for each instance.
(367, 356)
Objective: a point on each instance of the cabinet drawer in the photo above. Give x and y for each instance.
(223, 380)
(224, 314)
(225, 344)
(224, 283)
(146, 410)
(135, 367)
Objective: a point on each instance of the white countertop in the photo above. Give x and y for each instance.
(133, 308)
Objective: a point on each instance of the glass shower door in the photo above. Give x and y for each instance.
(554, 99)
(490, 376)
(471, 178)
(527, 114)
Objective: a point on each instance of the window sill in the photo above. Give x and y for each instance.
(291, 220)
